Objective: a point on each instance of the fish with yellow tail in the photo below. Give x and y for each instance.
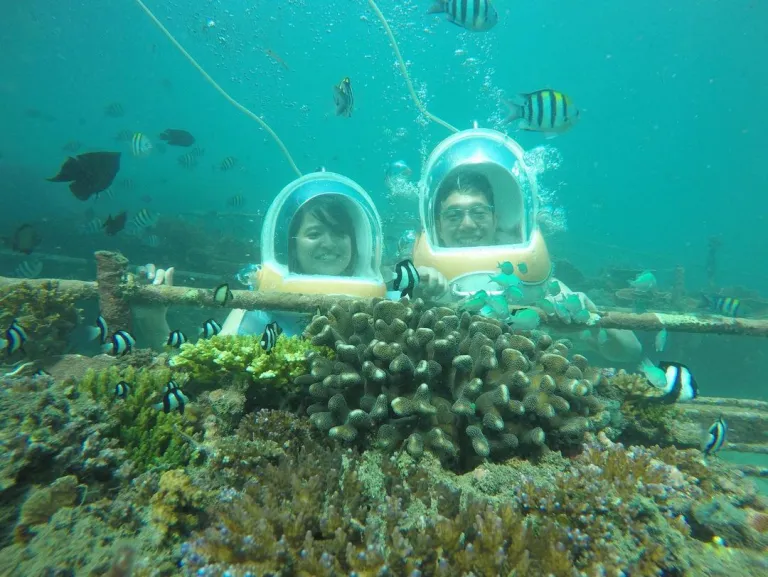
(343, 98)
(472, 15)
(547, 111)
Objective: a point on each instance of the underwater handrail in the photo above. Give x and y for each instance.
(220, 90)
(404, 70)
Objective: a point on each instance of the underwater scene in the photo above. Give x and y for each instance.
(373, 288)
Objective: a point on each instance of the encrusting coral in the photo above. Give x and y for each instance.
(269, 377)
(47, 314)
(462, 386)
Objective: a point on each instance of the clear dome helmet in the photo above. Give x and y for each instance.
(515, 200)
(365, 279)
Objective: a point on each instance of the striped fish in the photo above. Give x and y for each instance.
(119, 344)
(727, 306)
(543, 111)
(175, 339)
(15, 337)
(715, 437)
(227, 164)
(209, 329)
(140, 144)
(28, 269)
(474, 15)
(187, 160)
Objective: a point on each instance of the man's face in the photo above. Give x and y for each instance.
(466, 219)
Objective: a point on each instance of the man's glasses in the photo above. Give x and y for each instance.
(479, 213)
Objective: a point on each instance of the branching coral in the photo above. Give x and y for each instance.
(176, 505)
(149, 436)
(47, 314)
(462, 386)
(270, 377)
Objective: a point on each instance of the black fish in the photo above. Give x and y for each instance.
(343, 98)
(25, 239)
(89, 173)
(681, 386)
(406, 278)
(176, 137)
(222, 294)
(113, 225)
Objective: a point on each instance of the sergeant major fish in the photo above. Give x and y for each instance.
(545, 110)
(473, 15)
(343, 98)
(727, 306)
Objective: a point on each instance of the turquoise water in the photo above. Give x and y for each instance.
(669, 150)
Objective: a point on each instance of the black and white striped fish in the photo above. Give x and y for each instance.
(122, 389)
(406, 278)
(29, 269)
(140, 144)
(145, 219)
(222, 294)
(209, 329)
(227, 164)
(176, 339)
(101, 330)
(119, 344)
(269, 338)
(474, 15)
(15, 337)
(715, 438)
(173, 398)
(680, 384)
(544, 111)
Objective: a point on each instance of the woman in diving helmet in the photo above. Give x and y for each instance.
(321, 235)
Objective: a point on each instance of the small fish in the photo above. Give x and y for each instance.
(343, 98)
(661, 340)
(522, 267)
(122, 389)
(25, 239)
(41, 373)
(554, 288)
(499, 305)
(236, 201)
(473, 15)
(151, 240)
(188, 160)
(28, 269)
(644, 282)
(101, 330)
(546, 111)
(209, 329)
(177, 137)
(114, 110)
(514, 294)
(406, 278)
(506, 267)
(176, 339)
(119, 344)
(727, 306)
(228, 163)
(92, 226)
(546, 306)
(573, 303)
(173, 398)
(679, 383)
(524, 319)
(140, 144)
(505, 280)
(15, 337)
(474, 303)
(124, 135)
(222, 294)
(113, 225)
(89, 174)
(269, 338)
(715, 438)
(654, 374)
(143, 220)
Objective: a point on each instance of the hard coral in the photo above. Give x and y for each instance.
(47, 314)
(241, 359)
(176, 505)
(149, 436)
(462, 386)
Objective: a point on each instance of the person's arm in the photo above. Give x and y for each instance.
(432, 284)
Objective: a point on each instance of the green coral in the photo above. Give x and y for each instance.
(241, 359)
(151, 437)
(47, 314)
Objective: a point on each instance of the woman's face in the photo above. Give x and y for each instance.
(321, 249)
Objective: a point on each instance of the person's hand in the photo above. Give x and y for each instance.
(432, 283)
(586, 302)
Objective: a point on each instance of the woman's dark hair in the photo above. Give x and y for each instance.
(466, 181)
(331, 212)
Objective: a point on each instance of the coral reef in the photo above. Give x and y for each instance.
(47, 314)
(176, 505)
(462, 386)
(149, 437)
(609, 511)
(239, 359)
